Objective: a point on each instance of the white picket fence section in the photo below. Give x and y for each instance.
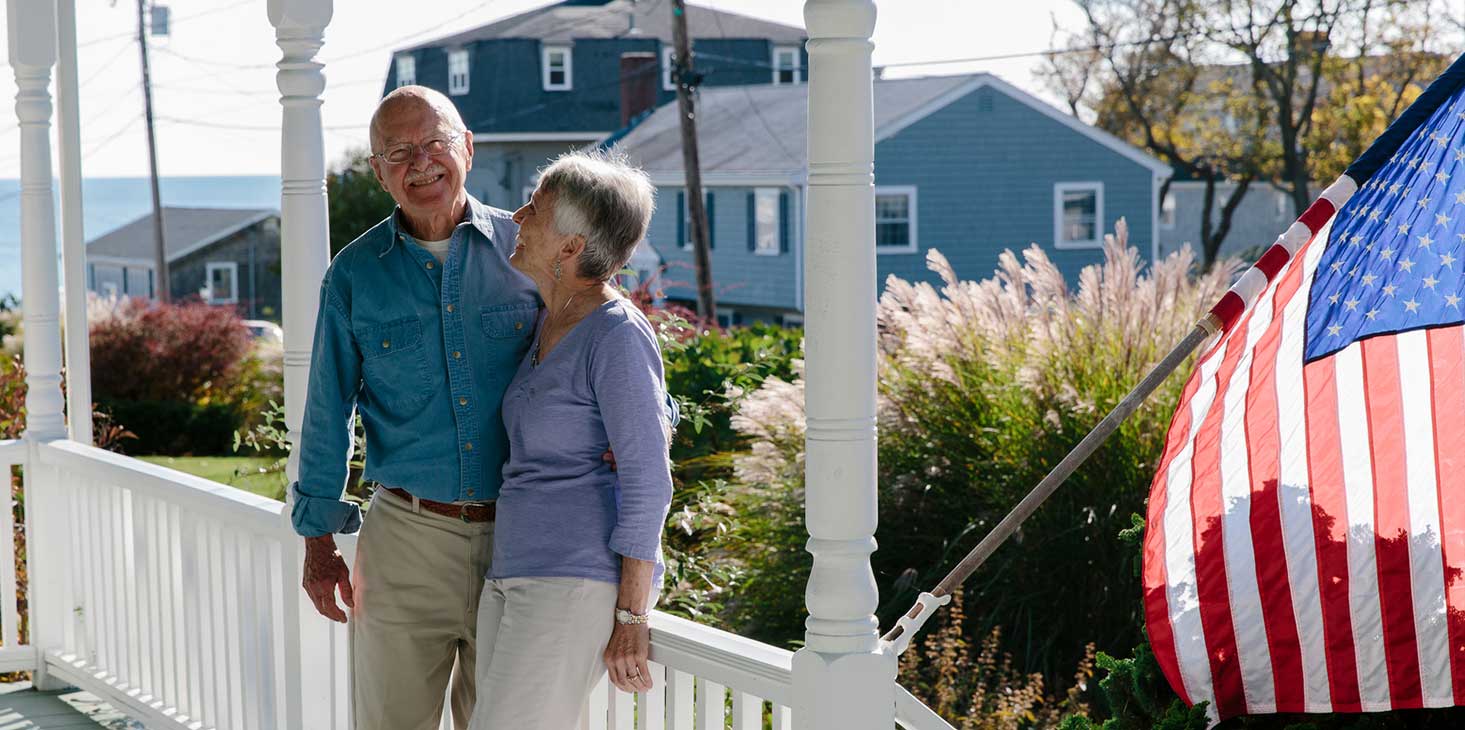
(15, 655)
(185, 611)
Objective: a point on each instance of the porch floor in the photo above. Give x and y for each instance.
(24, 708)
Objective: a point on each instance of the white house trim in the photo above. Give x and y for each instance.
(208, 281)
(544, 54)
(667, 83)
(482, 137)
(1125, 149)
(909, 191)
(120, 261)
(1095, 186)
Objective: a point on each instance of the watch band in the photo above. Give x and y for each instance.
(626, 618)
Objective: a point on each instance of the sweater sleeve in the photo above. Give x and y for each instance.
(627, 380)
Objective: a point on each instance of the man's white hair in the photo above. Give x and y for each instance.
(600, 195)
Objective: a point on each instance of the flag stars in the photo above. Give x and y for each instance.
(1336, 267)
(1406, 265)
(1350, 304)
(1373, 215)
(1429, 282)
(1460, 198)
(1386, 254)
(1413, 163)
(1403, 229)
(1371, 314)
(1423, 202)
(1460, 154)
(1395, 188)
(1389, 290)
(1452, 300)
(1411, 305)
(1334, 329)
(1368, 279)
(1447, 260)
(1440, 219)
(1334, 298)
(1425, 241)
(1355, 239)
(1441, 177)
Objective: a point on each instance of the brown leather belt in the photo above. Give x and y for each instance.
(467, 512)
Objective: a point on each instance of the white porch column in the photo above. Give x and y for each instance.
(31, 28)
(842, 679)
(73, 240)
(304, 249)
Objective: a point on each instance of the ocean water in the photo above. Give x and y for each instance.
(111, 202)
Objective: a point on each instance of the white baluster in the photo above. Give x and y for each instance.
(304, 242)
(711, 700)
(747, 712)
(679, 708)
(651, 706)
(841, 678)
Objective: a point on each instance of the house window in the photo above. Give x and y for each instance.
(557, 68)
(223, 282)
(1284, 206)
(895, 220)
(457, 72)
(668, 68)
(767, 222)
(1078, 213)
(1167, 212)
(787, 68)
(406, 71)
(684, 219)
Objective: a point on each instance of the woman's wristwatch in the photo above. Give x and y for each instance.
(625, 617)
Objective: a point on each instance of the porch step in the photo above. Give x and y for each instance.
(29, 709)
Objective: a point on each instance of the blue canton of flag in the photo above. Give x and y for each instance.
(1393, 259)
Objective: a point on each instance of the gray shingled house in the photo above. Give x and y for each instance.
(224, 256)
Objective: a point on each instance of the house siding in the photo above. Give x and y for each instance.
(1263, 214)
(742, 278)
(259, 295)
(985, 168)
(506, 93)
(501, 170)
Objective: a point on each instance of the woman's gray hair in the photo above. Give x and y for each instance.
(598, 194)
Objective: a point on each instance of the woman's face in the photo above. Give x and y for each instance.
(538, 244)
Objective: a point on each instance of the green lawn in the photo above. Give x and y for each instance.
(236, 471)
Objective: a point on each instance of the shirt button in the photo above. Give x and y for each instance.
(518, 325)
(468, 446)
(462, 401)
(386, 343)
(429, 264)
(470, 493)
(457, 354)
(450, 308)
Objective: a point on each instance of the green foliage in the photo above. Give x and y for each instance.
(356, 201)
(175, 428)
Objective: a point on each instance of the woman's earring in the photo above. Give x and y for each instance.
(557, 271)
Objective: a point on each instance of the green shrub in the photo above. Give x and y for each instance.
(176, 428)
(983, 387)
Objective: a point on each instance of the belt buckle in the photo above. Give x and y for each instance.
(463, 513)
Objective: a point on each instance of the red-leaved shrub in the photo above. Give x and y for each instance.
(164, 352)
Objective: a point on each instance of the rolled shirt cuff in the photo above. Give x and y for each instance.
(631, 547)
(317, 516)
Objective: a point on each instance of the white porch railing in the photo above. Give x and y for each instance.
(185, 610)
(15, 655)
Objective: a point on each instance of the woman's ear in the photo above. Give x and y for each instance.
(572, 247)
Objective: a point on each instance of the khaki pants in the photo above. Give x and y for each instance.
(541, 643)
(418, 579)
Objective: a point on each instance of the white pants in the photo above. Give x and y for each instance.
(540, 647)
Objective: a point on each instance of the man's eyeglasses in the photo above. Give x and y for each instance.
(398, 154)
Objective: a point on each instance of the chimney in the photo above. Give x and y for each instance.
(639, 79)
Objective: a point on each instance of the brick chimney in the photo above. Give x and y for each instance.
(639, 80)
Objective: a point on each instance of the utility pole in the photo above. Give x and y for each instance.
(160, 263)
(687, 81)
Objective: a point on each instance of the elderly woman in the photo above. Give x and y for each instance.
(577, 552)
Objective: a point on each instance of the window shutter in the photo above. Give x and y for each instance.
(681, 220)
(711, 225)
(783, 221)
(752, 221)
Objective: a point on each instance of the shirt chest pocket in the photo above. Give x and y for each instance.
(394, 362)
(509, 329)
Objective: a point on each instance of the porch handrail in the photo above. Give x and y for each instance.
(12, 451)
(235, 506)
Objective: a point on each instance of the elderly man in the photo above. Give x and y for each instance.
(422, 323)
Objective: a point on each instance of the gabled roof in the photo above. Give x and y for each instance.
(575, 19)
(185, 230)
(747, 131)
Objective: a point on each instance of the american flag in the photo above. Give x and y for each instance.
(1306, 531)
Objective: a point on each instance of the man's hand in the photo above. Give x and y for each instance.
(325, 570)
(609, 458)
(625, 657)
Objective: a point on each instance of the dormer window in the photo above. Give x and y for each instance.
(406, 71)
(458, 72)
(787, 65)
(668, 68)
(557, 68)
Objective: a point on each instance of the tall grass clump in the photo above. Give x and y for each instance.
(984, 386)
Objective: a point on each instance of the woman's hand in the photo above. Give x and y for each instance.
(626, 656)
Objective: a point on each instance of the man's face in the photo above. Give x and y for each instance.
(424, 185)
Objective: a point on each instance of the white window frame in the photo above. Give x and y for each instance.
(1059, 190)
(768, 231)
(687, 245)
(909, 191)
(544, 64)
(458, 65)
(230, 266)
(797, 66)
(667, 82)
(406, 71)
(1167, 211)
(1284, 206)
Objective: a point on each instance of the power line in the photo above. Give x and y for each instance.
(748, 95)
(392, 43)
(174, 22)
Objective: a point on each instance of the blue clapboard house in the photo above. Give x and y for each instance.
(566, 75)
(969, 165)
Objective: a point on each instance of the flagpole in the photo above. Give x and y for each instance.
(1220, 318)
(898, 638)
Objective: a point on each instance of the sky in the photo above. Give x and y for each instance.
(217, 106)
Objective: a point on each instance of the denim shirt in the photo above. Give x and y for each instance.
(424, 351)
